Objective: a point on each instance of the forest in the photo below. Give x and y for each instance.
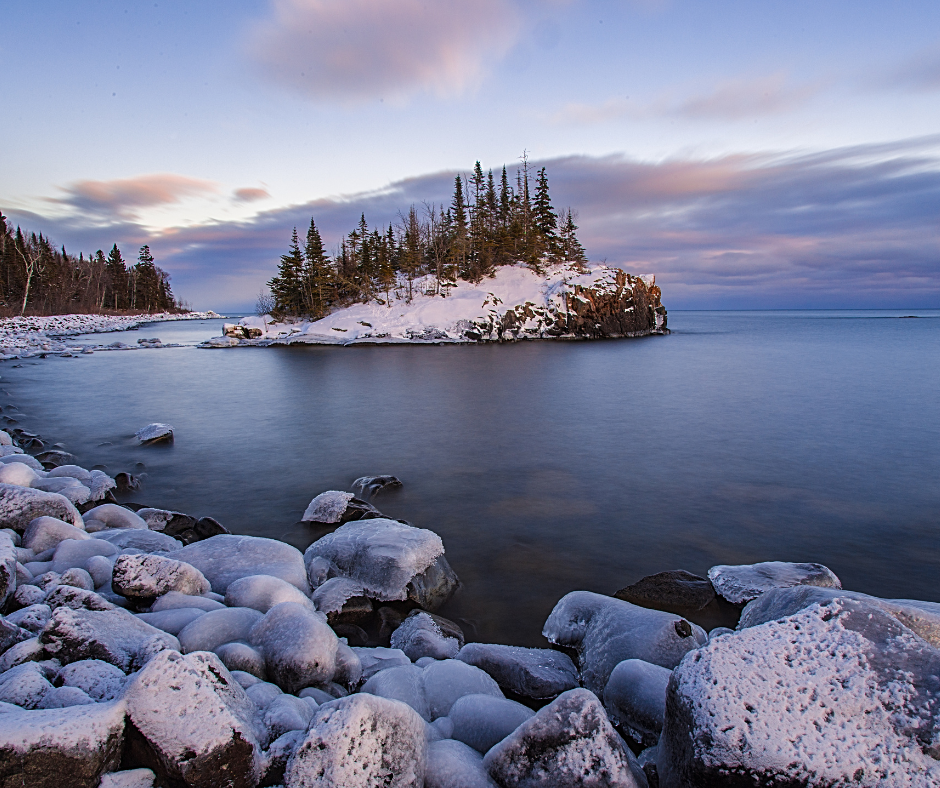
(485, 226)
(38, 279)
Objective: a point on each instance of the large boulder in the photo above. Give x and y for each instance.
(535, 673)
(7, 569)
(217, 627)
(605, 631)
(21, 505)
(361, 741)
(840, 693)
(149, 576)
(191, 723)
(568, 744)
(680, 592)
(740, 584)
(44, 533)
(65, 748)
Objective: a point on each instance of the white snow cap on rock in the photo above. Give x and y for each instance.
(740, 584)
(154, 432)
(327, 507)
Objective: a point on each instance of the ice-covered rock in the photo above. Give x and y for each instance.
(25, 459)
(46, 532)
(452, 764)
(298, 646)
(242, 657)
(173, 621)
(29, 650)
(155, 433)
(373, 660)
(99, 680)
(359, 742)
(63, 697)
(481, 721)
(741, 584)
(421, 635)
(12, 630)
(100, 568)
(77, 578)
(192, 722)
(19, 506)
(7, 569)
(446, 681)
(262, 592)
(285, 713)
(372, 485)
(403, 683)
(76, 599)
(210, 630)
(348, 667)
(129, 778)
(275, 757)
(114, 516)
(5, 439)
(71, 488)
(635, 699)
(32, 619)
(263, 693)
(568, 744)
(331, 596)
(74, 553)
(335, 507)
(65, 748)
(29, 595)
(145, 541)
(24, 685)
(174, 599)
(114, 636)
(226, 558)
(18, 473)
(148, 576)
(605, 631)
(536, 673)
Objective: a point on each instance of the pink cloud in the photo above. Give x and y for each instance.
(121, 197)
(249, 194)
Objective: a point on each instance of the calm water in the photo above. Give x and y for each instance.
(548, 467)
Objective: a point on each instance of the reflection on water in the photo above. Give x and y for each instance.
(548, 467)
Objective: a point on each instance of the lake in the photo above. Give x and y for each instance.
(545, 466)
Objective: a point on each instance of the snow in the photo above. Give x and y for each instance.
(99, 680)
(147, 576)
(32, 618)
(20, 474)
(20, 505)
(242, 658)
(130, 778)
(635, 698)
(537, 673)
(145, 541)
(481, 721)
(25, 685)
(64, 697)
(740, 584)
(327, 507)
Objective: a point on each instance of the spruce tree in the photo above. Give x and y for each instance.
(545, 220)
(317, 276)
(117, 279)
(287, 286)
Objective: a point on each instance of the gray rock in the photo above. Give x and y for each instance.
(172, 621)
(24, 685)
(76, 599)
(372, 485)
(741, 584)
(434, 586)
(145, 541)
(154, 433)
(286, 713)
(19, 506)
(25, 651)
(423, 634)
(77, 578)
(262, 592)
(447, 681)
(373, 660)
(242, 657)
(32, 619)
(635, 699)
(404, 683)
(114, 516)
(480, 721)
(536, 673)
(452, 764)
(72, 553)
(275, 758)
(45, 532)
(348, 667)
(335, 507)
(99, 680)
(680, 592)
(64, 697)
(147, 576)
(174, 599)
(12, 632)
(29, 595)
(212, 629)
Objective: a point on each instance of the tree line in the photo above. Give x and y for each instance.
(36, 278)
(486, 225)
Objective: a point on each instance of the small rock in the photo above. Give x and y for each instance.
(244, 658)
(44, 533)
(373, 660)
(373, 485)
(64, 697)
(424, 634)
(635, 699)
(32, 619)
(536, 673)
(76, 599)
(741, 584)
(7, 569)
(452, 764)
(55, 457)
(262, 592)
(77, 578)
(154, 433)
(74, 553)
(145, 541)
(211, 630)
(480, 721)
(97, 679)
(24, 685)
(114, 516)
(335, 507)
(174, 599)
(149, 576)
(684, 594)
(173, 621)
(275, 758)
(19, 506)
(445, 682)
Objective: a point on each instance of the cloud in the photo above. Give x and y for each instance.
(249, 194)
(353, 50)
(123, 197)
(921, 74)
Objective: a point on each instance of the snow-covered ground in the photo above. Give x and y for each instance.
(27, 336)
(435, 317)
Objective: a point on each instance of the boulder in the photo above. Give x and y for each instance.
(568, 744)
(28, 650)
(99, 680)
(44, 533)
(424, 634)
(535, 673)
(276, 756)
(18, 473)
(74, 553)
(63, 697)
(114, 516)
(65, 748)
(684, 594)
(76, 599)
(262, 592)
(19, 506)
(447, 681)
(404, 683)
(191, 723)
(173, 621)
(78, 578)
(154, 433)
(24, 685)
(145, 541)
(480, 721)
(148, 576)
(71, 488)
(242, 657)
(7, 569)
(635, 699)
(285, 713)
(210, 630)
(606, 631)
(29, 619)
(372, 485)
(373, 660)
(361, 741)
(452, 764)
(335, 507)
(174, 599)
(740, 584)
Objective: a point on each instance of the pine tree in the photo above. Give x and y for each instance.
(147, 293)
(545, 220)
(570, 248)
(317, 276)
(459, 246)
(287, 286)
(117, 279)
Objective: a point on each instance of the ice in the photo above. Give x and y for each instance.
(114, 516)
(348, 667)
(174, 599)
(5, 439)
(242, 658)
(19, 457)
(262, 592)
(211, 630)
(373, 660)
(21, 505)
(77, 578)
(155, 433)
(740, 584)
(447, 681)
(382, 555)
(481, 721)
(336, 592)
(537, 673)
(606, 631)
(275, 758)
(32, 618)
(404, 683)
(63, 697)
(327, 507)
(148, 576)
(25, 685)
(145, 541)
(263, 693)
(452, 764)
(361, 741)
(172, 621)
(20, 474)
(29, 650)
(298, 646)
(635, 699)
(7, 568)
(74, 553)
(99, 680)
(71, 488)
(44, 533)
(420, 636)
(130, 778)
(286, 713)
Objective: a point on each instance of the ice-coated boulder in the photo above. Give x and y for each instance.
(66, 486)
(76, 599)
(361, 741)
(114, 516)
(568, 744)
(372, 485)
(29, 650)
(44, 533)
(7, 569)
(155, 433)
(18, 473)
(146, 576)
(18, 456)
(100, 568)
(481, 721)
(129, 778)
(192, 722)
(285, 713)
(335, 507)
(348, 667)
(263, 693)
(635, 699)
(174, 599)
(225, 558)
(605, 631)
(403, 683)
(209, 631)
(173, 621)
(99, 680)
(452, 764)
(840, 693)
(331, 596)
(373, 660)
(741, 584)
(242, 657)
(24, 685)
(262, 592)
(145, 541)
(78, 578)
(63, 697)
(114, 636)
(31, 619)
(680, 592)
(65, 748)
(74, 553)
(19, 506)
(298, 646)
(421, 634)
(447, 681)
(536, 673)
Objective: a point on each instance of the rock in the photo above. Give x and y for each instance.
(244, 658)
(173, 621)
(97, 679)
(336, 508)
(29, 595)
(26, 459)
(155, 433)
(7, 569)
(64, 697)
(373, 660)
(145, 541)
(24, 685)
(65, 748)
(606, 631)
(18, 473)
(71, 488)
(298, 646)
(481, 721)
(32, 619)
(74, 553)
(212, 629)
(114, 516)
(149, 576)
(449, 680)
(44, 533)
(19, 506)
(174, 599)
(76, 599)
(452, 764)
(403, 683)
(684, 594)
(275, 758)
(191, 723)
(130, 778)
(568, 744)
(286, 713)
(263, 693)
(635, 699)
(741, 584)
(225, 558)
(838, 694)
(434, 586)
(342, 599)
(167, 521)
(536, 673)
(372, 485)
(52, 458)
(423, 634)
(359, 742)
(29, 650)
(114, 636)
(262, 592)
(77, 578)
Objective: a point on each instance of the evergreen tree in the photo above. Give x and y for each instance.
(318, 275)
(545, 220)
(460, 243)
(147, 291)
(287, 286)
(117, 279)
(570, 248)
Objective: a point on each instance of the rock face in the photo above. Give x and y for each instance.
(20, 505)
(66, 748)
(149, 576)
(191, 723)
(536, 673)
(359, 742)
(624, 307)
(839, 694)
(741, 584)
(568, 744)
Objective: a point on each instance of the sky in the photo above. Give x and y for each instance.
(750, 155)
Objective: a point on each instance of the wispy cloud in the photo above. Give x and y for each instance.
(920, 73)
(124, 197)
(352, 50)
(250, 194)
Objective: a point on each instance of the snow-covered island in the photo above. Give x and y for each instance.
(563, 301)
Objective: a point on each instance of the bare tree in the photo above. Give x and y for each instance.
(30, 260)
